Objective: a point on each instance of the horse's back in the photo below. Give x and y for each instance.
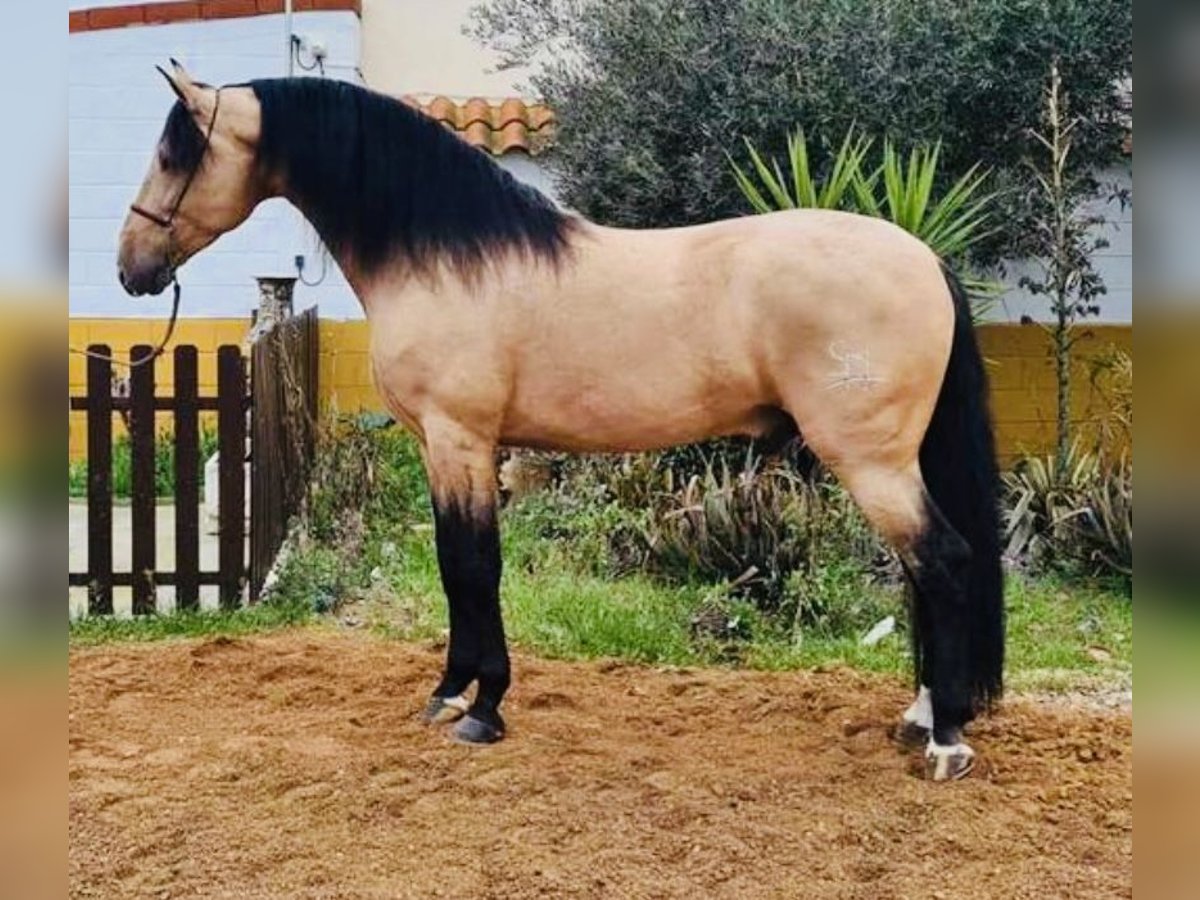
(641, 339)
(667, 336)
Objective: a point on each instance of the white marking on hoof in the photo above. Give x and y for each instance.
(443, 710)
(948, 763)
(921, 711)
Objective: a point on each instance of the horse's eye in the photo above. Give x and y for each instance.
(164, 158)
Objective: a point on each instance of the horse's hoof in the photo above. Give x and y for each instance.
(910, 735)
(443, 710)
(475, 731)
(948, 763)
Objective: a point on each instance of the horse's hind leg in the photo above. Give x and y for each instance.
(937, 566)
(462, 479)
(935, 557)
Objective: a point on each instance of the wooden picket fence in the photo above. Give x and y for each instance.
(284, 363)
(281, 408)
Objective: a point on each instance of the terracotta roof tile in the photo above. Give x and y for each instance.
(504, 126)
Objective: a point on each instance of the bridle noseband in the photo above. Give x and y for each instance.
(168, 221)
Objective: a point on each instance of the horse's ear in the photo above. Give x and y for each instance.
(171, 81)
(182, 84)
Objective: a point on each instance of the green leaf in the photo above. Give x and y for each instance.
(766, 177)
(748, 188)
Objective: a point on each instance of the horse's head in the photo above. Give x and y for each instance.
(203, 181)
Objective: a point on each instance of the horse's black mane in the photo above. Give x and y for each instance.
(379, 180)
(182, 142)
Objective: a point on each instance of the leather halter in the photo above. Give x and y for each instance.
(168, 221)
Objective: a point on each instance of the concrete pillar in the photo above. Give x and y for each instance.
(274, 302)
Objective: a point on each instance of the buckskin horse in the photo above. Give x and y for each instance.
(498, 319)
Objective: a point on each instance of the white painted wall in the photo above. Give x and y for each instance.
(530, 171)
(117, 106)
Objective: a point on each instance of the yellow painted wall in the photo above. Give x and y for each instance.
(345, 372)
(1021, 369)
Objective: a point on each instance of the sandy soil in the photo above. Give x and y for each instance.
(293, 765)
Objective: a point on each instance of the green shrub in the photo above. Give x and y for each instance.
(649, 93)
(364, 466)
(1102, 533)
(839, 596)
(367, 493)
(591, 517)
(755, 529)
(797, 550)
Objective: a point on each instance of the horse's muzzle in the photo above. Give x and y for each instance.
(141, 280)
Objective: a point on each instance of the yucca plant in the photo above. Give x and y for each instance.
(752, 526)
(900, 189)
(1077, 510)
(802, 189)
(903, 191)
(729, 526)
(1103, 531)
(1077, 507)
(1041, 496)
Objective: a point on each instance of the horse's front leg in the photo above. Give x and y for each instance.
(462, 480)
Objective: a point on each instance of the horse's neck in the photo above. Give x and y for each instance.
(397, 279)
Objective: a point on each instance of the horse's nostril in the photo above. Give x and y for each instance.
(121, 278)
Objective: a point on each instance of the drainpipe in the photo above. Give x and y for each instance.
(287, 26)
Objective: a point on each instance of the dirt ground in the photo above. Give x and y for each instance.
(293, 765)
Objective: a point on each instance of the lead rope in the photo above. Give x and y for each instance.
(158, 350)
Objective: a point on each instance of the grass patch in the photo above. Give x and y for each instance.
(1059, 630)
(1059, 634)
(549, 608)
(368, 552)
(267, 616)
(1059, 637)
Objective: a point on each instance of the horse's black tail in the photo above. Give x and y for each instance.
(958, 463)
